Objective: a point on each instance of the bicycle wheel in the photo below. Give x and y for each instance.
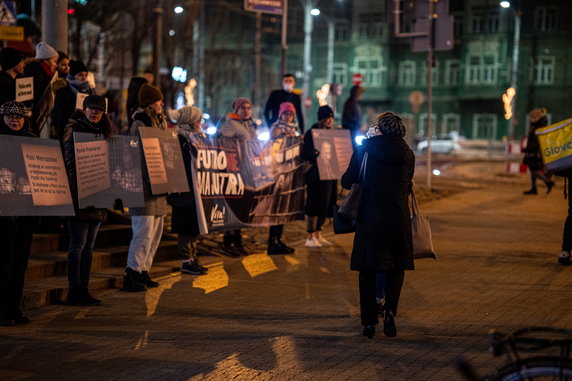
(535, 369)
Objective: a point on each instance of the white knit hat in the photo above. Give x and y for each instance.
(45, 51)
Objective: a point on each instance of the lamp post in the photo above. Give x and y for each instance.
(309, 12)
(512, 122)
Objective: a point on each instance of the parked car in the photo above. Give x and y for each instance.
(443, 143)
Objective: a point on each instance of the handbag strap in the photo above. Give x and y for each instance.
(362, 168)
(414, 204)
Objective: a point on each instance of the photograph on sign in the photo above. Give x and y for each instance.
(163, 160)
(33, 180)
(24, 89)
(335, 149)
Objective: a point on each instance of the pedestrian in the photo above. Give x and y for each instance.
(285, 94)
(565, 257)
(12, 63)
(383, 241)
(320, 194)
(43, 70)
(184, 221)
(147, 221)
(135, 84)
(15, 232)
(63, 65)
(66, 97)
(351, 113)
(83, 227)
(285, 126)
(238, 125)
(532, 154)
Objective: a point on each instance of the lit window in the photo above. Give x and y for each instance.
(544, 70)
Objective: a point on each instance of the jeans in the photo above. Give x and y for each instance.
(314, 223)
(82, 239)
(567, 234)
(367, 293)
(16, 239)
(147, 232)
(187, 244)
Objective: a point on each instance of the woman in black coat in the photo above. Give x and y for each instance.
(532, 155)
(382, 242)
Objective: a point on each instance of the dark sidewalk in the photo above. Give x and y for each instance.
(296, 317)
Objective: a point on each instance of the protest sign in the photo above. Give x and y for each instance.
(24, 89)
(335, 149)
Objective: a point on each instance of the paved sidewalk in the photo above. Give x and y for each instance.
(296, 317)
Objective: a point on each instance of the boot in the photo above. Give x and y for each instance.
(132, 282)
(275, 248)
(147, 281)
(286, 247)
(74, 296)
(532, 191)
(87, 299)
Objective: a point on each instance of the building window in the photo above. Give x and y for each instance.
(451, 122)
(452, 72)
(493, 22)
(478, 23)
(544, 70)
(458, 25)
(484, 126)
(485, 20)
(406, 73)
(481, 69)
(340, 73)
(372, 69)
(434, 73)
(545, 19)
(422, 127)
(341, 31)
(370, 25)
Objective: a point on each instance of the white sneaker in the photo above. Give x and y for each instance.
(324, 242)
(312, 242)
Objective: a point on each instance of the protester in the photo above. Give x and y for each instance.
(63, 65)
(285, 94)
(320, 194)
(383, 241)
(65, 103)
(238, 125)
(83, 227)
(184, 220)
(565, 257)
(532, 154)
(285, 126)
(43, 70)
(146, 222)
(133, 96)
(12, 63)
(15, 232)
(351, 113)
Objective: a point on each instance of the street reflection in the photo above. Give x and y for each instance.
(153, 295)
(216, 279)
(257, 264)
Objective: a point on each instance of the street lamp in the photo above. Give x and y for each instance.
(309, 6)
(178, 9)
(505, 4)
(315, 12)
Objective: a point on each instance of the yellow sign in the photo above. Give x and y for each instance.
(556, 144)
(11, 33)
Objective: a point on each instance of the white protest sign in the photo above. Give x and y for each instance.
(24, 89)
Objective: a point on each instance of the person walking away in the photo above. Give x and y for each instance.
(83, 227)
(532, 154)
(65, 103)
(351, 113)
(285, 94)
(135, 84)
(320, 194)
(147, 221)
(284, 127)
(184, 221)
(238, 125)
(383, 241)
(43, 70)
(12, 64)
(15, 232)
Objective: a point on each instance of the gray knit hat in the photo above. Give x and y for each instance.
(45, 51)
(188, 115)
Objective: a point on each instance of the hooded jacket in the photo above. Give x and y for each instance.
(383, 227)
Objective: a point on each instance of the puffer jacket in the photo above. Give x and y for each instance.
(235, 127)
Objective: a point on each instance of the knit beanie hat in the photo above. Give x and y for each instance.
(188, 116)
(149, 94)
(77, 67)
(286, 106)
(239, 102)
(537, 114)
(95, 102)
(15, 108)
(324, 112)
(390, 124)
(45, 51)
(9, 58)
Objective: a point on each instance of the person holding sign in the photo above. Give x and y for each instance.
(12, 63)
(184, 220)
(146, 222)
(65, 103)
(83, 227)
(320, 194)
(532, 155)
(15, 232)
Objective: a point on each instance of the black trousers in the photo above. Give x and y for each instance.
(275, 233)
(16, 240)
(567, 234)
(367, 293)
(232, 237)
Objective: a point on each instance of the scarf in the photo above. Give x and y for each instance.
(78, 86)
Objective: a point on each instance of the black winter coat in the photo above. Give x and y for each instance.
(273, 106)
(532, 154)
(7, 88)
(78, 123)
(383, 229)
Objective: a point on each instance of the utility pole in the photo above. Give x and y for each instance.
(257, 63)
(308, 27)
(430, 59)
(284, 36)
(514, 73)
(158, 43)
(55, 24)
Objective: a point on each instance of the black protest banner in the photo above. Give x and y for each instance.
(108, 171)
(335, 147)
(248, 183)
(33, 180)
